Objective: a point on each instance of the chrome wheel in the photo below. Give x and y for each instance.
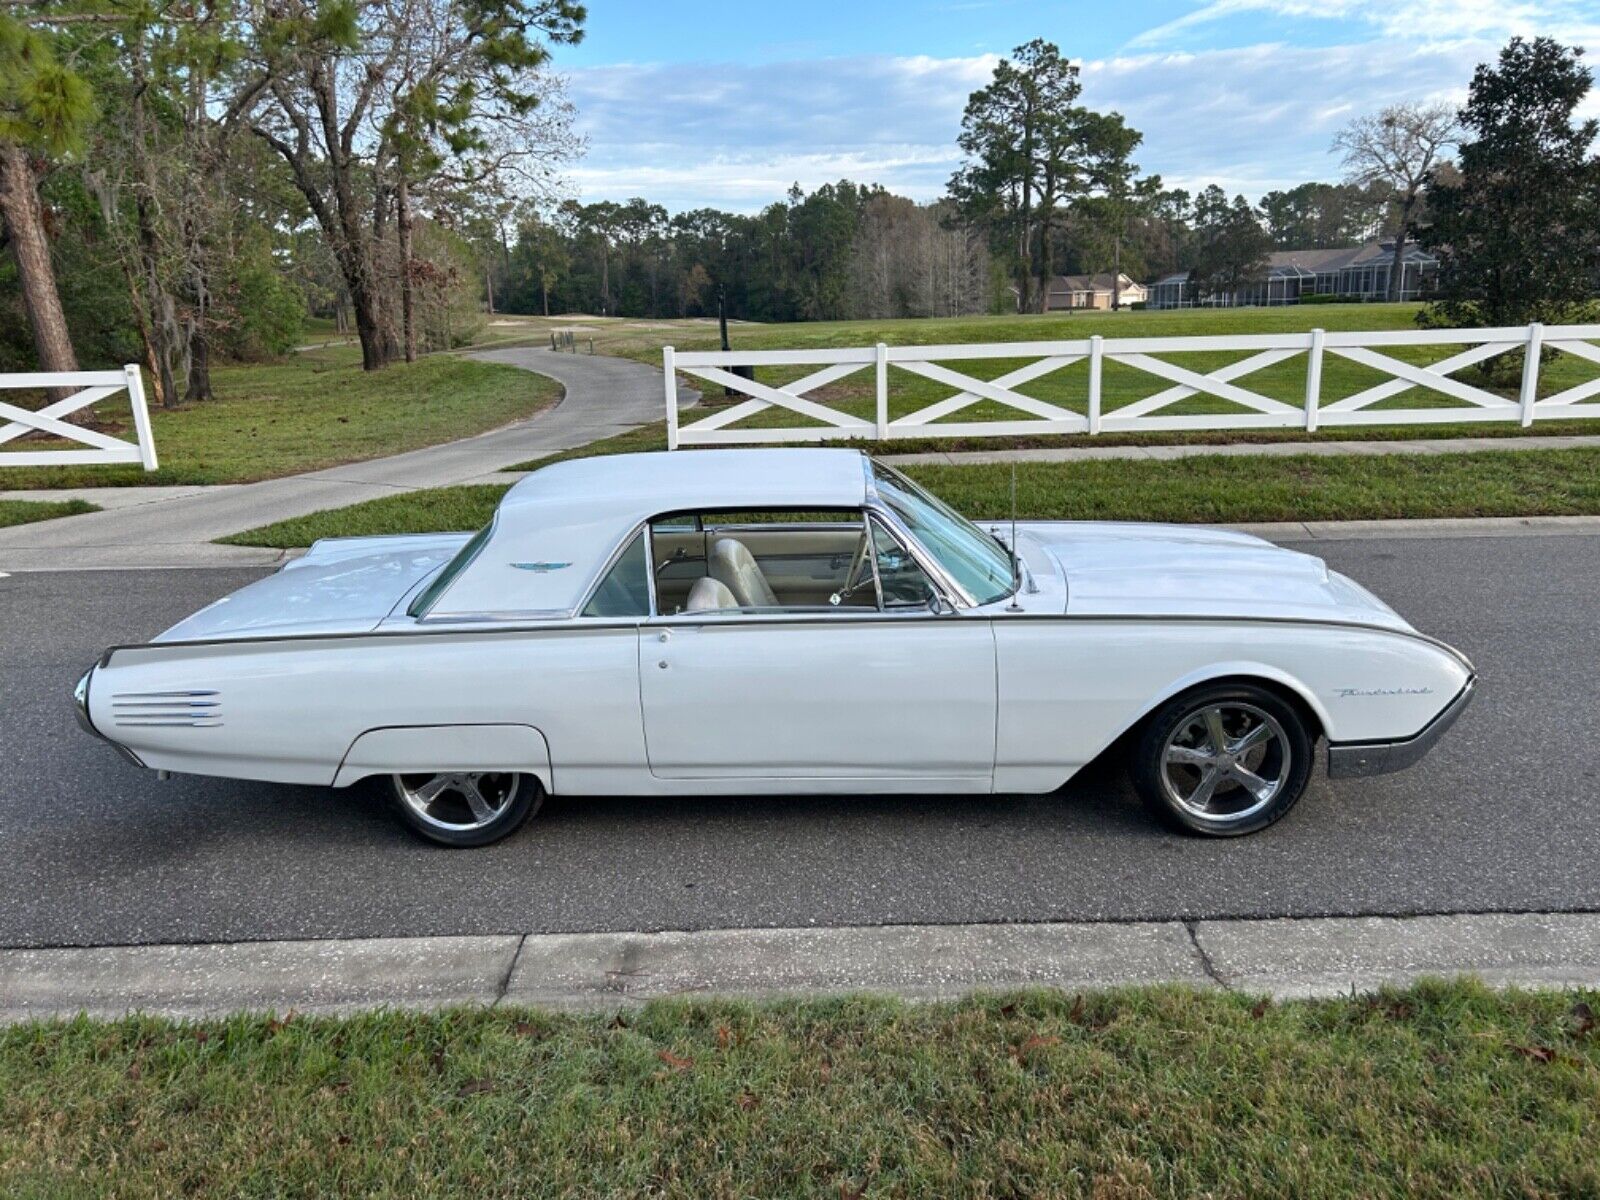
(458, 803)
(1224, 762)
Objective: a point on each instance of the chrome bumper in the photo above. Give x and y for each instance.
(80, 707)
(1355, 759)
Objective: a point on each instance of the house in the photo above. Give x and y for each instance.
(1090, 291)
(1353, 272)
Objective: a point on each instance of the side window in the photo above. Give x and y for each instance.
(904, 583)
(625, 591)
(762, 560)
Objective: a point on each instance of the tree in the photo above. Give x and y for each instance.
(1023, 137)
(44, 108)
(362, 86)
(1395, 151)
(1120, 193)
(1518, 237)
(1231, 247)
(1324, 216)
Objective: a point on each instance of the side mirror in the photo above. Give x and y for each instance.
(937, 605)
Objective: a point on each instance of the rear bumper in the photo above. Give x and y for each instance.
(80, 707)
(1354, 759)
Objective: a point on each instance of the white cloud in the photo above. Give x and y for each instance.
(1418, 22)
(736, 135)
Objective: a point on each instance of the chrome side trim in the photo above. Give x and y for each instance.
(1353, 760)
(560, 622)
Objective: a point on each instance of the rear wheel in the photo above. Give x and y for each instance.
(466, 808)
(1224, 760)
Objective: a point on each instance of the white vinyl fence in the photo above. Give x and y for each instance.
(1252, 410)
(97, 447)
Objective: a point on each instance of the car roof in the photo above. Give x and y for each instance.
(559, 527)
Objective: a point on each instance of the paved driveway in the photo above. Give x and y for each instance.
(603, 396)
(1502, 817)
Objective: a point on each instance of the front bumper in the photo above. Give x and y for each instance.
(1355, 759)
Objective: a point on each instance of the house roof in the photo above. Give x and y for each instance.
(1292, 263)
(1088, 283)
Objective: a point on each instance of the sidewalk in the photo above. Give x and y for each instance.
(604, 396)
(1284, 958)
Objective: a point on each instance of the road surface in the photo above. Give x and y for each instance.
(1503, 816)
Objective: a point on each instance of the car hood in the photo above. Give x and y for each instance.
(1117, 569)
(342, 585)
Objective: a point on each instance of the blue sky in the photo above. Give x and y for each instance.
(724, 103)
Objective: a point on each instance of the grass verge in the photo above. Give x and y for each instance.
(23, 512)
(313, 411)
(1207, 489)
(1444, 1090)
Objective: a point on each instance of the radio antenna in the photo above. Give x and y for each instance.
(1016, 562)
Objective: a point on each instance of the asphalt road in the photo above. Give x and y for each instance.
(1504, 816)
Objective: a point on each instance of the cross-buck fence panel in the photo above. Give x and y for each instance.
(97, 447)
(1249, 409)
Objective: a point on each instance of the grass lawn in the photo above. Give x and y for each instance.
(21, 512)
(1439, 1091)
(1217, 489)
(311, 411)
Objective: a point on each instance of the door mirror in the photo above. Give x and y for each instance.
(937, 605)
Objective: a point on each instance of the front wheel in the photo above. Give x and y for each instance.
(1224, 760)
(467, 808)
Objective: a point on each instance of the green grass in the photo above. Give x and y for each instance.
(1438, 1091)
(1220, 489)
(311, 411)
(432, 510)
(23, 512)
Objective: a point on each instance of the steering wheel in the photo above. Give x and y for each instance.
(851, 580)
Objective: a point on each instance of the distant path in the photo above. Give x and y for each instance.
(603, 396)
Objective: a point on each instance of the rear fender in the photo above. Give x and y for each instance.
(430, 749)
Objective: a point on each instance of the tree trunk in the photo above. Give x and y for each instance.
(408, 307)
(1397, 264)
(544, 287)
(1116, 272)
(30, 250)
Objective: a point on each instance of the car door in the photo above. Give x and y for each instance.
(852, 695)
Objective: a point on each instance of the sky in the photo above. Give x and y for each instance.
(726, 103)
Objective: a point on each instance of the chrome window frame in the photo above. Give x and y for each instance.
(611, 561)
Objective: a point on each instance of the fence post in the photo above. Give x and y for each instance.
(1096, 359)
(1530, 372)
(1314, 379)
(881, 358)
(672, 397)
(141, 417)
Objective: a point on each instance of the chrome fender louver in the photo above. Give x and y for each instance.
(193, 709)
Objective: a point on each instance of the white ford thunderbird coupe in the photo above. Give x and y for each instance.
(780, 621)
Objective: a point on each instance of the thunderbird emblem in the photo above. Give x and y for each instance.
(540, 568)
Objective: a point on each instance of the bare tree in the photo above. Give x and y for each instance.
(1395, 149)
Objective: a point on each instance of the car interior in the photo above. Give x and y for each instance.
(708, 561)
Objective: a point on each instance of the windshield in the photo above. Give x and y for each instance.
(969, 556)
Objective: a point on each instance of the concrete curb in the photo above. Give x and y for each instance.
(597, 971)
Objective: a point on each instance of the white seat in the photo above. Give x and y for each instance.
(732, 565)
(707, 594)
